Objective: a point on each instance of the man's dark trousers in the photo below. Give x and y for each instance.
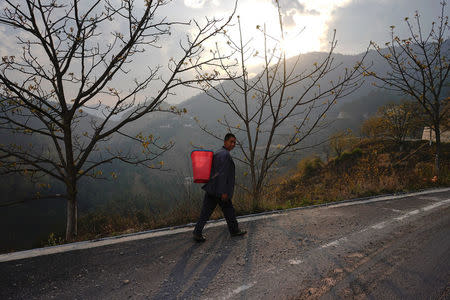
(209, 204)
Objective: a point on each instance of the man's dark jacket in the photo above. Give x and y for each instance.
(221, 180)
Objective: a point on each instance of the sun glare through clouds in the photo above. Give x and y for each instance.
(305, 37)
(305, 25)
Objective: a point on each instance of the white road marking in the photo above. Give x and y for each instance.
(335, 243)
(407, 215)
(383, 224)
(392, 209)
(379, 225)
(386, 198)
(188, 228)
(426, 208)
(114, 240)
(238, 290)
(295, 261)
(430, 198)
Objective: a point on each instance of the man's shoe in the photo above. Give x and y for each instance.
(238, 233)
(198, 237)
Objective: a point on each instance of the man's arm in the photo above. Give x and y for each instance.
(224, 162)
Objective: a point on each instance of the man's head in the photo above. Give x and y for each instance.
(229, 142)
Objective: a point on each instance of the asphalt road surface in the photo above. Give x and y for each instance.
(383, 248)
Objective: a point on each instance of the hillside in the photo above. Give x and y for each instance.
(368, 168)
(156, 192)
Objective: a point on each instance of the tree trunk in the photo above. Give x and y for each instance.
(438, 150)
(71, 182)
(72, 213)
(256, 197)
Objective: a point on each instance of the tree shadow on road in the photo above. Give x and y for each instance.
(193, 279)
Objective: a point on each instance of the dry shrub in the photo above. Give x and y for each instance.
(372, 168)
(424, 170)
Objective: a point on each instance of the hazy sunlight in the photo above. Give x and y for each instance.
(305, 32)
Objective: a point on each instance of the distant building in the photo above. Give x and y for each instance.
(429, 135)
(344, 115)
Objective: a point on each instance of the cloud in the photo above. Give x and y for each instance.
(8, 42)
(288, 19)
(359, 22)
(290, 4)
(194, 3)
(291, 8)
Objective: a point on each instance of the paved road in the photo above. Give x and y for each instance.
(385, 248)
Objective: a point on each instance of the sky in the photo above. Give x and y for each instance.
(308, 26)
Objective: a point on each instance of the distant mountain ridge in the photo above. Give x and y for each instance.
(153, 188)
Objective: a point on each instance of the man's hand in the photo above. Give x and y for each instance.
(224, 197)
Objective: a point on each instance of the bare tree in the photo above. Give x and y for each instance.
(400, 120)
(274, 117)
(373, 128)
(419, 68)
(341, 141)
(67, 66)
(395, 122)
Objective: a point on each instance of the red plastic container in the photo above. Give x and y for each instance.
(201, 165)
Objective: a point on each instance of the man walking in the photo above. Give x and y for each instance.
(219, 190)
